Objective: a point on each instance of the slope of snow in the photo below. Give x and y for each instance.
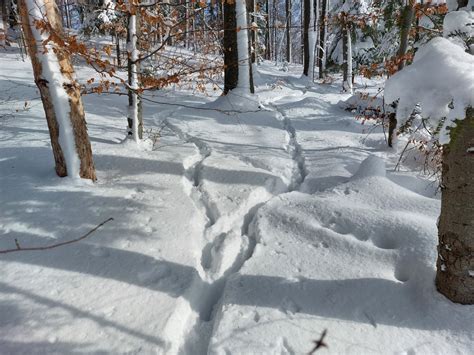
(246, 226)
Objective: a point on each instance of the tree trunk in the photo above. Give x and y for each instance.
(117, 49)
(392, 126)
(309, 34)
(288, 30)
(346, 57)
(268, 50)
(238, 66)
(274, 30)
(306, 23)
(135, 119)
(455, 265)
(60, 93)
(253, 31)
(322, 41)
(3, 23)
(231, 62)
(407, 18)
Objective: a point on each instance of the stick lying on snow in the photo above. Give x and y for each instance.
(19, 248)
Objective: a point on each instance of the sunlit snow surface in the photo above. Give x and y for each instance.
(239, 233)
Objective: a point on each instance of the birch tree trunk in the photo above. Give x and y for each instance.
(60, 93)
(346, 57)
(135, 119)
(455, 265)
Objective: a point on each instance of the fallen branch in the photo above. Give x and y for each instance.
(19, 248)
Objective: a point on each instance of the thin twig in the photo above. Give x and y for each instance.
(19, 248)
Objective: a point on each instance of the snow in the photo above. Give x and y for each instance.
(461, 21)
(249, 226)
(51, 72)
(441, 73)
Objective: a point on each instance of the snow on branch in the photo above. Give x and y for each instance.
(440, 79)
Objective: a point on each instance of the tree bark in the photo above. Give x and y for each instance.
(3, 23)
(237, 58)
(253, 31)
(306, 23)
(288, 30)
(455, 265)
(408, 14)
(309, 34)
(62, 103)
(231, 61)
(268, 50)
(322, 40)
(346, 56)
(135, 118)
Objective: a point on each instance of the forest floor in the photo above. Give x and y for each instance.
(241, 226)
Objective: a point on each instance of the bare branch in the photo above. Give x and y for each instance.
(52, 246)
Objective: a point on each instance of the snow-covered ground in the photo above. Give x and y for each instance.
(249, 226)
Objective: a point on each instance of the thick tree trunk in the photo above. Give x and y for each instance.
(455, 266)
(288, 30)
(237, 61)
(322, 40)
(408, 14)
(231, 61)
(60, 93)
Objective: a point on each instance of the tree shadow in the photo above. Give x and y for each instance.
(76, 313)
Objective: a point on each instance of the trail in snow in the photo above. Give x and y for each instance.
(293, 148)
(229, 241)
(193, 170)
(226, 238)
